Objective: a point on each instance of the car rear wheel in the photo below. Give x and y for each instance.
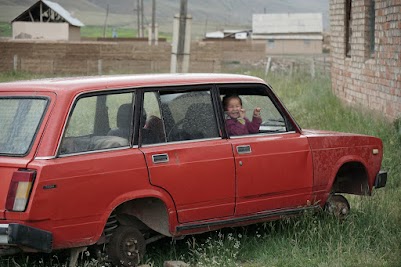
(338, 206)
(127, 246)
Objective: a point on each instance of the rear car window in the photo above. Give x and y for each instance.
(99, 122)
(189, 115)
(178, 116)
(20, 120)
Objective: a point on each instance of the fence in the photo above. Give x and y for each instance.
(92, 58)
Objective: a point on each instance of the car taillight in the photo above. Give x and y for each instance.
(20, 189)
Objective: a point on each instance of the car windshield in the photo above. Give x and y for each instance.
(19, 120)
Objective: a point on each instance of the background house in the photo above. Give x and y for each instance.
(46, 20)
(228, 35)
(289, 33)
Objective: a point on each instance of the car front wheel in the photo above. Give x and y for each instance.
(338, 206)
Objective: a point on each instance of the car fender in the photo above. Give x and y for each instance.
(139, 194)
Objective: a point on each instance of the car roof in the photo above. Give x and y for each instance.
(82, 84)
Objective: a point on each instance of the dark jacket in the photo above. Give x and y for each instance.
(238, 127)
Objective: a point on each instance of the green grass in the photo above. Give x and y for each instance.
(15, 76)
(122, 32)
(97, 31)
(5, 29)
(370, 236)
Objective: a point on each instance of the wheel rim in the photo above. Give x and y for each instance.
(338, 206)
(130, 249)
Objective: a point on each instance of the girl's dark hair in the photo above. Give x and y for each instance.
(227, 98)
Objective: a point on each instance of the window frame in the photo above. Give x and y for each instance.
(271, 43)
(213, 88)
(348, 28)
(290, 123)
(45, 110)
(183, 89)
(371, 28)
(133, 136)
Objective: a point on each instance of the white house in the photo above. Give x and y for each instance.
(289, 33)
(46, 20)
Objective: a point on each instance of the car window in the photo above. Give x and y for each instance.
(152, 128)
(185, 115)
(98, 123)
(250, 111)
(20, 119)
(272, 120)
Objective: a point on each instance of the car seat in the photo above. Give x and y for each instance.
(199, 121)
(124, 118)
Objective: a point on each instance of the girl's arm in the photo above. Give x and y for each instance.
(253, 126)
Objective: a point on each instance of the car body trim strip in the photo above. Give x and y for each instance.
(258, 216)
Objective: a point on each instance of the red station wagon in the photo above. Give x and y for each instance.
(125, 160)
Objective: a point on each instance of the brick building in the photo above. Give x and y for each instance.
(366, 53)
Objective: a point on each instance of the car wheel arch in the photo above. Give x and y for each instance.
(149, 211)
(145, 195)
(351, 176)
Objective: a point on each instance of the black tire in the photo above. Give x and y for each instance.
(126, 247)
(338, 206)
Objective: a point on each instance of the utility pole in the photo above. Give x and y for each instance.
(139, 14)
(205, 26)
(153, 31)
(181, 32)
(142, 21)
(181, 40)
(105, 21)
(138, 20)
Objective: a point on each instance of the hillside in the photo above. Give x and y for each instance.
(208, 15)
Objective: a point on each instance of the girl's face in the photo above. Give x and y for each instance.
(233, 108)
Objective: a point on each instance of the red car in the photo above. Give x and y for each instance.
(124, 160)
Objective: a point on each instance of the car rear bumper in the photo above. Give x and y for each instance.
(381, 179)
(19, 235)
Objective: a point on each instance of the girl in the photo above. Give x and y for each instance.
(236, 122)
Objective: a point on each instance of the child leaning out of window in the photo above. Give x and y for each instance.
(236, 122)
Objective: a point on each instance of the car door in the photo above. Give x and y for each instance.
(186, 154)
(273, 165)
(94, 165)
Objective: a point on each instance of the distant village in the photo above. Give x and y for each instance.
(360, 51)
(288, 33)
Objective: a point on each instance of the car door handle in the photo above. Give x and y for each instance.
(246, 149)
(160, 158)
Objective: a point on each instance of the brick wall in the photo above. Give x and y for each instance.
(91, 57)
(87, 58)
(82, 58)
(369, 79)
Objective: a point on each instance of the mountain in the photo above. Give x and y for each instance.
(208, 15)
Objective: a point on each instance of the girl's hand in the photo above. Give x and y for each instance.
(256, 112)
(242, 113)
